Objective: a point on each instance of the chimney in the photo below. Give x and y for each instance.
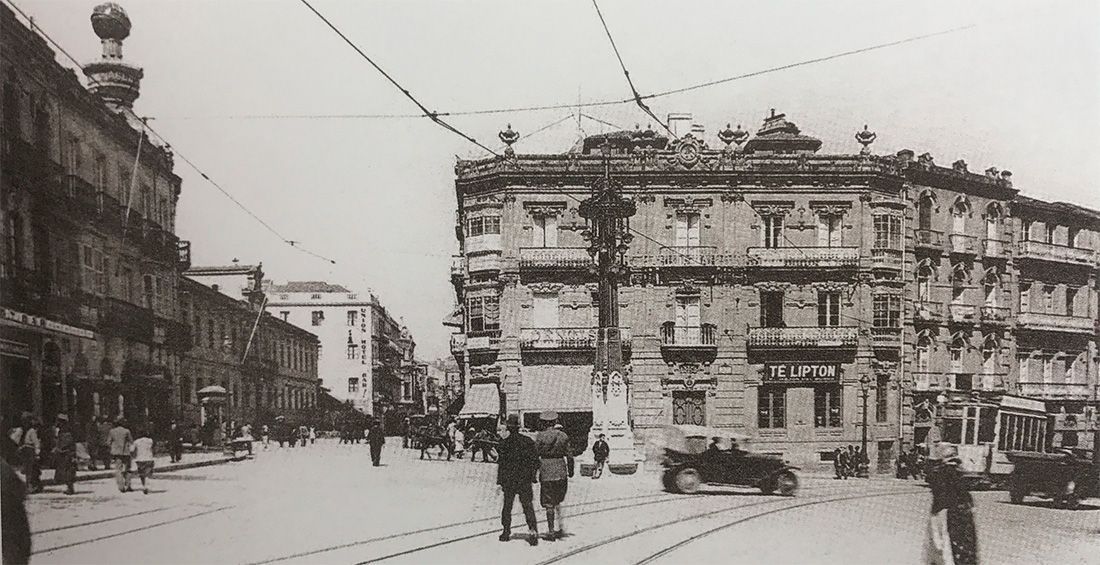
(116, 82)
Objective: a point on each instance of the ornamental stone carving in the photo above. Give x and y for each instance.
(545, 287)
(544, 209)
(771, 208)
(830, 209)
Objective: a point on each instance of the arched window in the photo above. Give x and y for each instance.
(993, 214)
(991, 284)
(957, 347)
(924, 351)
(991, 352)
(924, 281)
(959, 212)
(924, 211)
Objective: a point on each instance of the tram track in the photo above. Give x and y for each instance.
(97, 522)
(134, 530)
(398, 535)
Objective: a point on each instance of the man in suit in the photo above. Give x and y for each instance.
(600, 452)
(376, 437)
(555, 468)
(121, 443)
(517, 463)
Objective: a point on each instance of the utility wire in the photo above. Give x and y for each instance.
(638, 98)
(37, 29)
(433, 116)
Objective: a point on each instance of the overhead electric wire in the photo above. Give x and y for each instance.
(633, 90)
(38, 29)
(433, 116)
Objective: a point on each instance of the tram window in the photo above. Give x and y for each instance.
(987, 426)
(1029, 433)
(971, 425)
(1006, 432)
(952, 430)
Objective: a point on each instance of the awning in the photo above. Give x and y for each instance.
(482, 400)
(562, 389)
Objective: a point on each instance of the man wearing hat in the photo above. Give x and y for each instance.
(555, 468)
(121, 442)
(517, 464)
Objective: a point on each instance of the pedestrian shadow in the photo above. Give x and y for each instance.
(717, 492)
(1049, 504)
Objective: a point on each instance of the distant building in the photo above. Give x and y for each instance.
(365, 352)
(88, 267)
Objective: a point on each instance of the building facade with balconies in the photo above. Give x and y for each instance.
(782, 293)
(89, 266)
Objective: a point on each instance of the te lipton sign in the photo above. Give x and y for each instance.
(802, 373)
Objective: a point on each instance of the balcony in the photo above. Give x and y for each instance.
(483, 341)
(994, 248)
(929, 381)
(887, 259)
(928, 239)
(994, 315)
(1055, 390)
(122, 319)
(183, 255)
(990, 382)
(886, 337)
(565, 338)
(962, 313)
(928, 312)
(554, 258)
(784, 338)
(1041, 251)
(684, 256)
(458, 267)
(962, 244)
(82, 191)
(483, 244)
(803, 257)
(1055, 323)
(688, 337)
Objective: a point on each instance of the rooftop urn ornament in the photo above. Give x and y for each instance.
(508, 137)
(737, 136)
(117, 82)
(866, 138)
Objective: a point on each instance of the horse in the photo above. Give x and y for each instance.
(428, 439)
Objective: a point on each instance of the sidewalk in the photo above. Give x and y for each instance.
(190, 461)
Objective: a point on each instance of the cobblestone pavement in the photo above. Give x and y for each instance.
(326, 504)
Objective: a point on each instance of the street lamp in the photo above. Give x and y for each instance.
(865, 391)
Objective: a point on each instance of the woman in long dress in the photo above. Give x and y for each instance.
(65, 455)
(952, 537)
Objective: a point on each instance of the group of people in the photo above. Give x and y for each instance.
(911, 464)
(522, 461)
(285, 434)
(852, 462)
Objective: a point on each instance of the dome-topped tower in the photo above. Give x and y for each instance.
(118, 83)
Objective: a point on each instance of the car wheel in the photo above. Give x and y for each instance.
(1017, 493)
(786, 483)
(688, 480)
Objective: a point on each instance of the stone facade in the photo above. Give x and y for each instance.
(772, 290)
(89, 265)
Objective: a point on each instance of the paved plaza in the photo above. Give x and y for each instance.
(326, 504)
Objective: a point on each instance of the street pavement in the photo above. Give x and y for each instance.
(326, 504)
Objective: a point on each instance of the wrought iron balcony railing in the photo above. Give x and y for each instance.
(928, 239)
(483, 341)
(1056, 323)
(554, 258)
(775, 338)
(883, 258)
(886, 336)
(802, 257)
(685, 256)
(702, 336)
(1059, 253)
(928, 311)
(1041, 389)
(565, 338)
(962, 243)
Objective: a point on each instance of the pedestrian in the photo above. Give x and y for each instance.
(376, 437)
(142, 450)
(844, 463)
(312, 435)
(405, 429)
(25, 437)
(851, 467)
(175, 443)
(121, 445)
(517, 465)
(838, 463)
(265, 435)
(600, 451)
(459, 442)
(64, 453)
(91, 433)
(952, 537)
(103, 440)
(14, 526)
(555, 468)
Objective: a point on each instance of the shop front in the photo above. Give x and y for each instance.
(565, 389)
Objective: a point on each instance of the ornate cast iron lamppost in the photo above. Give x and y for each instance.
(607, 215)
(864, 391)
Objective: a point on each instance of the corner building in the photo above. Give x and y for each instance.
(782, 293)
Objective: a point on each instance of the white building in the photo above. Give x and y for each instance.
(342, 320)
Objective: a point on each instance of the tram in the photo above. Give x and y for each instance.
(986, 429)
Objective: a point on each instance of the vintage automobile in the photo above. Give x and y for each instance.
(694, 455)
(1065, 475)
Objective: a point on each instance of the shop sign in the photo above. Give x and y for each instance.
(802, 373)
(15, 349)
(9, 315)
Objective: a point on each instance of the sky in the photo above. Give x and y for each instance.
(1019, 90)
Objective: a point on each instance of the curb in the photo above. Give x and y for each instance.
(108, 474)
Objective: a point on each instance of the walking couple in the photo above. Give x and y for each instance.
(547, 459)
